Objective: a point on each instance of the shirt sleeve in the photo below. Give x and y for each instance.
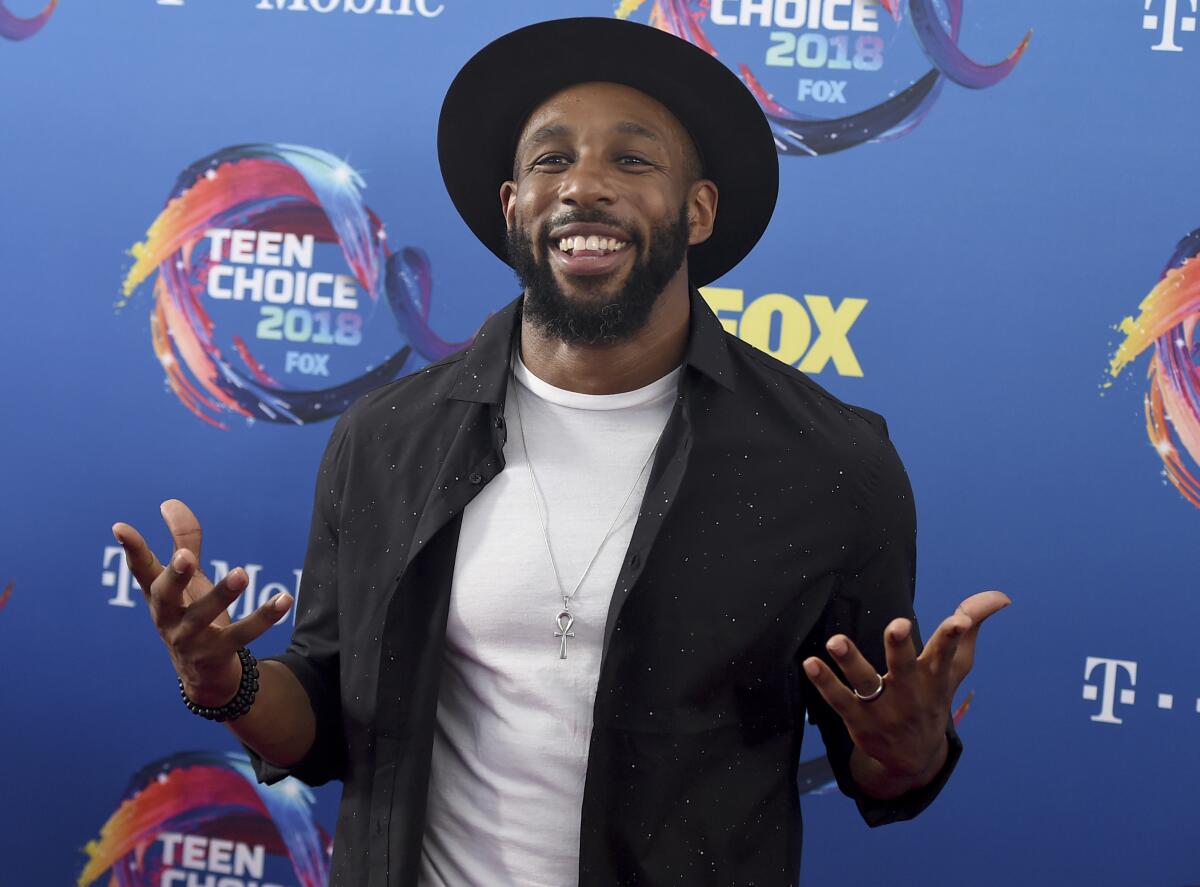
(876, 589)
(313, 655)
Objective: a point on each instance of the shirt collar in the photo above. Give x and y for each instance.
(707, 347)
(483, 371)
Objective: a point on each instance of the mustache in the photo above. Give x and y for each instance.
(589, 216)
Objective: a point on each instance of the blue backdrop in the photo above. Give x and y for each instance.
(962, 271)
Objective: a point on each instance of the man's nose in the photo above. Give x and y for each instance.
(588, 182)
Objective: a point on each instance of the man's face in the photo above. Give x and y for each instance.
(604, 204)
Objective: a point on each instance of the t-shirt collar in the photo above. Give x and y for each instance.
(484, 368)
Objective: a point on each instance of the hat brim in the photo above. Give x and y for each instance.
(501, 84)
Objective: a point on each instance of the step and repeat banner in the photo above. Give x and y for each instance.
(222, 220)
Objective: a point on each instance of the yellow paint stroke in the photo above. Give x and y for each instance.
(626, 8)
(1167, 305)
(1172, 309)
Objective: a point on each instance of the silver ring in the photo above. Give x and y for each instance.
(870, 697)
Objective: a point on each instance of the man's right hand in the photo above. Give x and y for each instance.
(191, 613)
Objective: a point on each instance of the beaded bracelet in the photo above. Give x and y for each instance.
(240, 703)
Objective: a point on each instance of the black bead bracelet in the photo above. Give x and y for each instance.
(240, 703)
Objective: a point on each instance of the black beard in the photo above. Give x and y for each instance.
(580, 322)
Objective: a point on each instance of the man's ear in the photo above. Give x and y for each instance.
(508, 203)
(702, 210)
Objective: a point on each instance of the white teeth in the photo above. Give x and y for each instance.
(591, 244)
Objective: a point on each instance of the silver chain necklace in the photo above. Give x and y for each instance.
(565, 621)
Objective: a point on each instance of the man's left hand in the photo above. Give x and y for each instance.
(900, 735)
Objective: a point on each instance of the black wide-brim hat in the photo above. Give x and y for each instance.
(500, 86)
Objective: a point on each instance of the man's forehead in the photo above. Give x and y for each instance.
(561, 130)
(637, 113)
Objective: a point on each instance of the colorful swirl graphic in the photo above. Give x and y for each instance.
(1167, 323)
(806, 136)
(214, 794)
(269, 187)
(13, 28)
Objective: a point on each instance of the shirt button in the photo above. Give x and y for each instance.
(475, 477)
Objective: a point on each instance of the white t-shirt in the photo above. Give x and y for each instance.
(514, 720)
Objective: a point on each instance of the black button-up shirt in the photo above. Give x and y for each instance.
(775, 516)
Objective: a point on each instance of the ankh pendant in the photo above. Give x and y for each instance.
(565, 623)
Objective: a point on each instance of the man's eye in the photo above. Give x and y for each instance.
(634, 162)
(550, 160)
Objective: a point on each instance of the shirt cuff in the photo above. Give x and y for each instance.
(876, 812)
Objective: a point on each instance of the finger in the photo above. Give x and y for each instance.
(832, 690)
(217, 599)
(144, 566)
(977, 608)
(245, 630)
(940, 651)
(860, 674)
(984, 604)
(183, 525)
(166, 592)
(898, 646)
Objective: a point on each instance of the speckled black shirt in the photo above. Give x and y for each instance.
(775, 516)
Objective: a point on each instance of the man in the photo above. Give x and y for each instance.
(570, 593)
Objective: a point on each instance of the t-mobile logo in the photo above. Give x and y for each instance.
(1106, 691)
(1172, 17)
(1110, 683)
(126, 592)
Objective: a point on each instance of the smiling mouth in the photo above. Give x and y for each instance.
(591, 245)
